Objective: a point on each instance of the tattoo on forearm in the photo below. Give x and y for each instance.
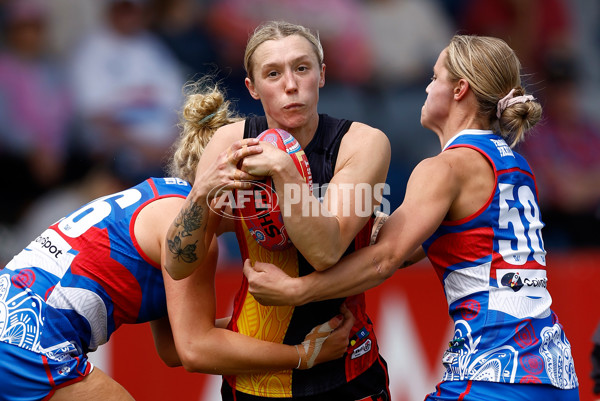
(407, 263)
(189, 220)
(186, 253)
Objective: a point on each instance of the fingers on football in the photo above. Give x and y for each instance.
(243, 148)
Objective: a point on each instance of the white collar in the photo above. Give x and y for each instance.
(467, 132)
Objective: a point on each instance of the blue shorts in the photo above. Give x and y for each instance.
(29, 376)
(490, 391)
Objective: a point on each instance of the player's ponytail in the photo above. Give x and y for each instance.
(517, 113)
(204, 111)
(494, 74)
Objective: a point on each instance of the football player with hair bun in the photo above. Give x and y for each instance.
(100, 267)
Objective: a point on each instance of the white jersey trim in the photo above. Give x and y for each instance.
(467, 281)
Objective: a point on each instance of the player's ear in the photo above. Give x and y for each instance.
(322, 76)
(461, 88)
(251, 89)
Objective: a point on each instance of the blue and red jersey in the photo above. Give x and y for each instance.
(82, 278)
(492, 265)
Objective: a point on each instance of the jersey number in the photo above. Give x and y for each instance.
(93, 213)
(526, 225)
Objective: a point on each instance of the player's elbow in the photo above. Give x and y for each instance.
(387, 263)
(171, 362)
(385, 270)
(192, 361)
(170, 358)
(200, 358)
(323, 260)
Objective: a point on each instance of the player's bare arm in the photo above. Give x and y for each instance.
(163, 342)
(204, 347)
(322, 231)
(192, 229)
(398, 245)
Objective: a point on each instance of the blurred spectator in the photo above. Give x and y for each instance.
(35, 109)
(563, 153)
(127, 85)
(183, 26)
(532, 27)
(48, 208)
(587, 31)
(68, 20)
(453, 8)
(406, 37)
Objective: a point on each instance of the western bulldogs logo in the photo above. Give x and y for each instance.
(63, 370)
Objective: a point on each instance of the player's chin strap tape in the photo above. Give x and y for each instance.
(310, 348)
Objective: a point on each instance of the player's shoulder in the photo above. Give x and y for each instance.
(234, 130)
(449, 168)
(363, 137)
(225, 136)
(441, 166)
(359, 128)
(463, 158)
(448, 160)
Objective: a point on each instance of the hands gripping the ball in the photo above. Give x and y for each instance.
(281, 159)
(278, 145)
(226, 172)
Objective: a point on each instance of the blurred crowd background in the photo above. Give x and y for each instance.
(90, 91)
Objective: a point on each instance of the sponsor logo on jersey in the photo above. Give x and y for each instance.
(60, 352)
(520, 293)
(361, 350)
(51, 243)
(516, 282)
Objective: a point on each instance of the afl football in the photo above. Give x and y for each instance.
(262, 214)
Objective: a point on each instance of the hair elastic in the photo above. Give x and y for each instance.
(508, 101)
(206, 118)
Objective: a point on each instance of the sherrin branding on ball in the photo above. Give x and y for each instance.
(262, 214)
